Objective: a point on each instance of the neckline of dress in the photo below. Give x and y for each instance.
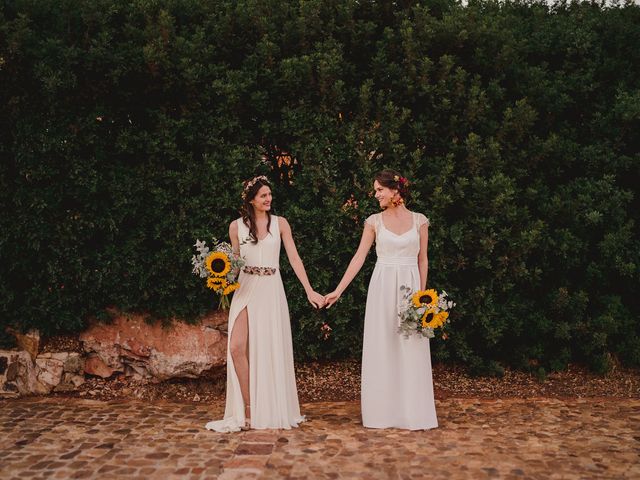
(268, 231)
(413, 224)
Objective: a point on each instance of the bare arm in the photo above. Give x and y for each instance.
(368, 237)
(233, 236)
(315, 298)
(423, 259)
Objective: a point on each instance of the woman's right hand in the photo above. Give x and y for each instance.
(331, 298)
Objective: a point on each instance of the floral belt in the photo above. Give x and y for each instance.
(259, 270)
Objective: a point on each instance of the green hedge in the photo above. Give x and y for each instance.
(127, 127)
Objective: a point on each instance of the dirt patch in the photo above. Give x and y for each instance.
(61, 343)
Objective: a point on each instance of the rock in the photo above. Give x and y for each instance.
(29, 341)
(74, 379)
(64, 387)
(18, 374)
(49, 371)
(131, 345)
(74, 363)
(70, 382)
(136, 370)
(94, 365)
(62, 356)
(60, 371)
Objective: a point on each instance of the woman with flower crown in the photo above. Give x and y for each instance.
(261, 384)
(396, 388)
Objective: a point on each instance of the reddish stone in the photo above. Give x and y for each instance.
(156, 350)
(260, 437)
(246, 463)
(157, 455)
(254, 449)
(95, 366)
(137, 348)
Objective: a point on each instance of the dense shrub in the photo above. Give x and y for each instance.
(127, 127)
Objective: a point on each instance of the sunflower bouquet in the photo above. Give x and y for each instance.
(424, 311)
(220, 267)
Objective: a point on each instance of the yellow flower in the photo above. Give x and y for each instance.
(216, 283)
(230, 288)
(434, 320)
(427, 298)
(218, 264)
(430, 319)
(442, 317)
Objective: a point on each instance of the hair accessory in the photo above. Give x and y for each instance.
(402, 181)
(250, 183)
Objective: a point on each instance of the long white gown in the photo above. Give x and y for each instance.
(272, 382)
(397, 386)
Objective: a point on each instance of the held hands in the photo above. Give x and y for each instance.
(319, 301)
(331, 298)
(315, 299)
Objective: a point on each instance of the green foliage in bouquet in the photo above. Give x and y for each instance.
(128, 127)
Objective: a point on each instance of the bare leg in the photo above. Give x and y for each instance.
(239, 346)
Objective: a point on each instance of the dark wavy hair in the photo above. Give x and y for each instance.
(248, 212)
(387, 178)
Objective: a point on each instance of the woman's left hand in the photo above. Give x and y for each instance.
(315, 299)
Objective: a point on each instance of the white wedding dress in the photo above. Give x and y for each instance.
(272, 381)
(397, 388)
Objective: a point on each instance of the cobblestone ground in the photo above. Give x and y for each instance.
(511, 439)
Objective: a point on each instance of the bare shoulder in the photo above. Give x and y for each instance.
(233, 226)
(283, 224)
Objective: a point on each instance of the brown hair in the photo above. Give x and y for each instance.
(248, 212)
(393, 180)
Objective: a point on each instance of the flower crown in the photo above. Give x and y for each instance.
(250, 183)
(402, 181)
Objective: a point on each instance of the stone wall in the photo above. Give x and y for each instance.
(128, 346)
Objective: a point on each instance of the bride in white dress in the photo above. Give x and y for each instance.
(261, 383)
(397, 387)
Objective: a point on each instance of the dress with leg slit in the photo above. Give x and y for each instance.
(272, 382)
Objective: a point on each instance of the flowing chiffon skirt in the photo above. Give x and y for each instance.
(272, 382)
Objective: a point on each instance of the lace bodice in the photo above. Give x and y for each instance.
(391, 245)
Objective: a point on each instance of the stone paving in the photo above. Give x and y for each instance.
(511, 439)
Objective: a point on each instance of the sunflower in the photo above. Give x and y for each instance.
(230, 288)
(427, 298)
(442, 317)
(216, 283)
(429, 319)
(433, 320)
(218, 264)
